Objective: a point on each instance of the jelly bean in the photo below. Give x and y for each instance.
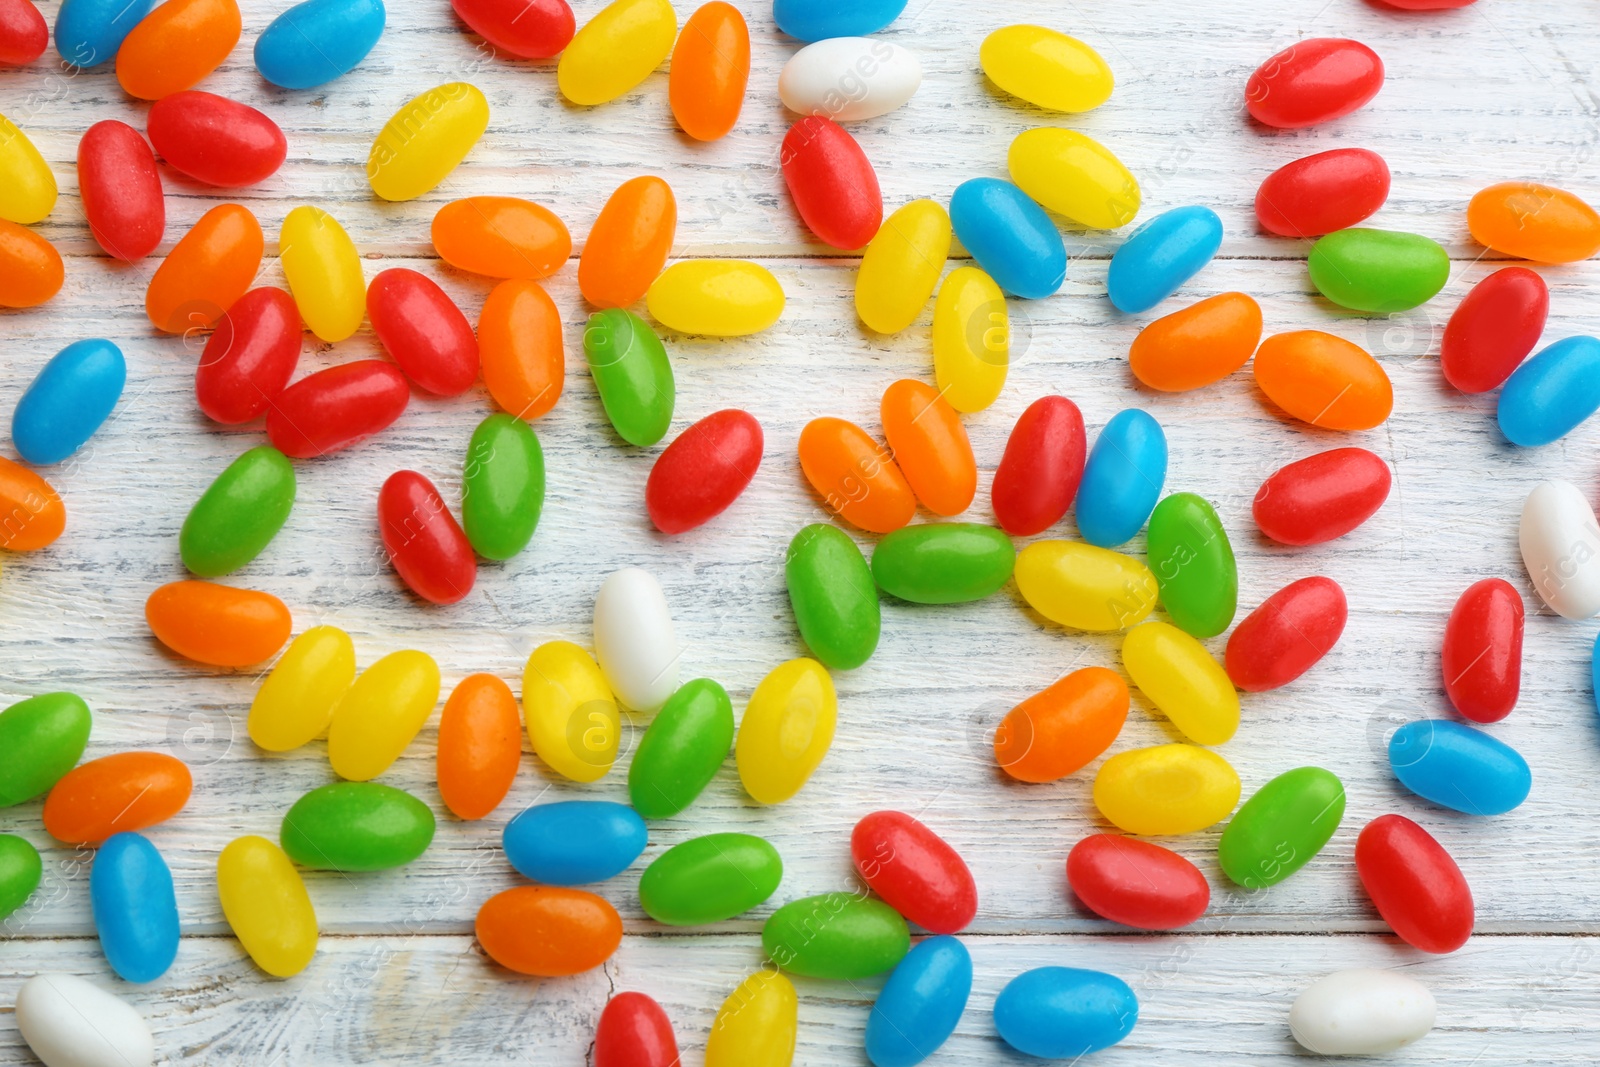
(943, 562)
(1166, 789)
(207, 271)
(572, 842)
(1203, 343)
(832, 182)
(1064, 1012)
(632, 375)
(69, 1022)
(1321, 497)
(786, 730)
(1046, 68)
(323, 270)
(29, 188)
(89, 32)
(31, 270)
(1009, 236)
(901, 267)
(834, 597)
(709, 879)
(1074, 175)
(1459, 767)
(703, 471)
(316, 41)
(614, 52)
(23, 33)
(1425, 5)
(480, 746)
(1084, 586)
(1322, 193)
(1379, 271)
(710, 69)
(716, 297)
(548, 931)
(633, 1031)
(628, 243)
(356, 826)
(920, 1004)
(295, 703)
(915, 871)
(119, 793)
(1551, 394)
(849, 78)
(135, 908)
(1182, 680)
(1193, 563)
(1561, 548)
(971, 340)
(521, 348)
(43, 738)
(423, 541)
(1493, 329)
(857, 479)
(217, 624)
(531, 29)
(239, 513)
(682, 750)
(381, 714)
(572, 717)
(1162, 254)
(1136, 883)
(755, 1027)
(121, 190)
(215, 140)
(502, 487)
(1414, 884)
(336, 408)
(424, 331)
(1122, 479)
(1062, 728)
(68, 400)
(34, 513)
(1533, 221)
(266, 905)
(816, 20)
(1286, 636)
(249, 358)
(176, 45)
(836, 935)
(20, 872)
(1312, 81)
(1281, 827)
(633, 639)
(1482, 657)
(1324, 380)
(501, 236)
(930, 445)
(1040, 470)
(1361, 1013)
(426, 139)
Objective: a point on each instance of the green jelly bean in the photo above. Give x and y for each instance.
(943, 562)
(834, 598)
(239, 514)
(836, 935)
(632, 373)
(502, 486)
(20, 869)
(709, 879)
(1277, 831)
(1378, 270)
(41, 739)
(682, 750)
(1193, 563)
(356, 826)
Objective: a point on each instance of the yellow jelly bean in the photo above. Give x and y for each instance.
(382, 713)
(27, 188)
(323, 269)
(716, 297)
(295, 704)
(266, 904)
(572, 715)
(1046, 67)
(1166, 789)
(901, 266)
(971, 339)
(787, 728)
(1084, 586)
(1182, 679)
(756, 1025)
(1075, 176)
(616, 50)
(426, 140)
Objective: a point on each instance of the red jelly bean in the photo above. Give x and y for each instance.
(1039, 473)
(216, 140)
(23, 33)
(1425, 5)
(914, 871)
(832, 182)
(250, 357)
(1323, 193)
(1493, 329)
(1414, 884)
(336, 408)
(703, 471)
(424, 330)
(424, 542)
(121, 190)
(1482, 657)
(1322, 497)
(1136, 883)
(1313, 81)
(532, 29)
(634, 1032)
(1287, 634)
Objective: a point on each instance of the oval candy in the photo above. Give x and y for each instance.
(1482, 654)
(207, 271)
(709, 71)
(702, 472)
(573, 842)
(1459, 767)
(682, 749)
(239, 513)
(1322, 193)
(1193, 562)
(89, 32)
(1122, 478)
(971, 340)
(43, 737)
(1312, 81)
(356, 826)
(501, 237)
(1378, 271)
(1046, 68)
(67, 401)
(1041, 468)
(615, 51)
(35, 516)
(786, 730)
(120, 189)
(629, 243)
(1197, 345)
(1414, 884)
(572, 717)
(68, 1021)
(502, 487)
(1166, 789)
(317, 41)
(323, 271)
(1009, 236)
(120, 793)
(836, 935)
(1534, 221)
(857, 479)
(530, 29)
(1084, 586)
(901, 266)
(424, 331)
(1064, 1012)
(930, 445)
(832, 183)
(1493, 329)
(220, 625)
(20, 872)
(1183, 681)
(708, 879)
(716, 297)
(755, 1027)
(1074, 175)
(135, 907)
(214, 140)
(337, 408)
(943, 562)
(295, 703)
(1281, 827)
(176, 45)
(632, 375)
(480, 746)
(1551, 394)
(849, 78)
(634, 642)
(267, 906)
(920, 1004)
(1063, 727)
(520, 347)
(249, 358)
(1321, 497)
(425, 140)
(31, 270)
(834, 596)
(1361, 1013)
(23, 33)
(1286, 636)
(548, 931)
(915, 871)
(1560, 543)
(1136, 883)
(1162, 254)
(381, 714)
(29, 186)
(816, 20)
(633, 1031)
(424, 543)
(1324, 380)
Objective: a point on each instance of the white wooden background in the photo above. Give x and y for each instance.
(1495, 91)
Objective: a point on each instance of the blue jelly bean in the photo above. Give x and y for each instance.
(1063, 1012)
(68, 401)
(816, 20)
(1549, 395)
(573, 842)
(1122, 479)
(317, 41)
(89, 32)
(135, 909)
(1161, 255)
(921, 1003)
(1010, 236)
(1459, 767)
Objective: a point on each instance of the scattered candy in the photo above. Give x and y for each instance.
(1193, 563)
(520, 348)
(1414, 884)
(572, 717)
(1361, 1013)
(23, 33)
(480, 746)
(615, 51)
(834, 597)
(832, 182)
(755, 1027)
(1533, 221)
(709, 879)
(1286, 636)
(1459, 767)
(120, 793)
(423, 541)
(1322, 497)
(1198, 345)
(680, 753)
(27, 186)
(710, 68)
(915, 871)
(1009, 236)
(323, 270)
(215, 140)
(135, 907)
(1046, 68)
(68, 400)
(930, 445)
(31, 270)
(1182, 680)
(901, 267)
(317, 41)
(1324, 380)
(786, 730)
(1162, 254)
(501, 236)
(1493, 329)
(548, 931)
(266, 905)
(502, 487)
(628, 243)
(1551, 394)
(1064, 1012)
(1323, 193)
(1084, 586)
(336, 408)
(633, 639)
(703, 471)
(716, 297)
(423, 331)
(89, 32)
(632, 375)
(1166, 789)
(239, 513)
(943, 562)
(1039, 472)
(1482, 656)
(426, 140)
(1136, 883)
(857, 479)
(69, 1022)
(1560, 542)
(1062, 728)
(1074, 175)
(971, 340)
(816, 20)
(1313, 81)
(530, 29)
(35, 516)
(176, 45)
(249, 358)
(381, 714)
(120, 188)
(43, 737)
(207, 271)
(1378, 271)
(20, 872)
(849, 78)
(633, 1031)
(1281, 827)
(1122, 478)
(218, 625)
(920, 1004)
(356, 826)
(836, 935)
(296, 701)
(574, 842)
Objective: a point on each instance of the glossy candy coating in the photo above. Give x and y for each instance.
(315, 42)
(1009, 236)
(424, 331)
(1166, 789)
(1459, 767)
(1378, 271)
(480, 746)
(1136, 883)
(572, 718)
(1122, 479)
(34, 513)
(1281, 827)
(930, 446)
(632, 374)
(702, 472)
(920, 1004)
(215, 140)
(716, 297)
(1193, 563)
(135, 907)
(20, 872)
(901, 267)
(943, 562)
(1551, 394)
(1046, 68)
(1561, 549)
(634, 642)
(1286, 636)
(249, 358)
(849, 78)
(267, 906)
(1324, 380)
(1064, 1012)
(1197, 345)
(323, 271)
(89, 32)
(207, 271)
(832, 182)
(27, 187)
(531, 29)
(857, 479)
(1162, 254)
(1482, 654)
(634, 1031)
(1322, 497)
(1084, 586)
(1322, 193)
(23, 33)
(1312, 81)
(548, 931)
(1493, 329)
(681, 750)
(31, 270)
(239, 513)
(67, 401)
(501, 236)
(51, 1013)
(1182, 680)
(816, 20)
(119, 793)
(573, 842)
(1063, 727)
(1074, 175)
(1533, 221)
(502, 486)
(836, 935)
(915, 871)
(381, 714)
(755, 1027)
(425, 140)
(43, 737)
(176, 45)
(1040, 470)
(423, 541)
(786, 730)
(628, 243)
(521, 349)
(295, 703)
(356, 826)
(615, 51)
(220, 625)
(834, 597)
(1415, 884)
(971, 339)
(337, 408)
(710, 69)
(121, 190)
(709, 879)
(1361, 1013)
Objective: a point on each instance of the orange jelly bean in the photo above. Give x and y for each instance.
(502, 237)
(209, 269)
(480, 746)
(1324, 380)
(520, 347)
(710, 69)
(1203, 343)
(113, 794)
(857, 478)
(548, 931)
(930, 445)
(1533, 221)
(31, 270)
(31, 513)
(217, 624)
(176, 45)
(1064, 727)
(629, 243)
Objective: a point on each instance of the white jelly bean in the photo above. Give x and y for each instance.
(1561, 548)
(1361, 1013)
(633, 639)
(848, 78)
(69, 1022)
